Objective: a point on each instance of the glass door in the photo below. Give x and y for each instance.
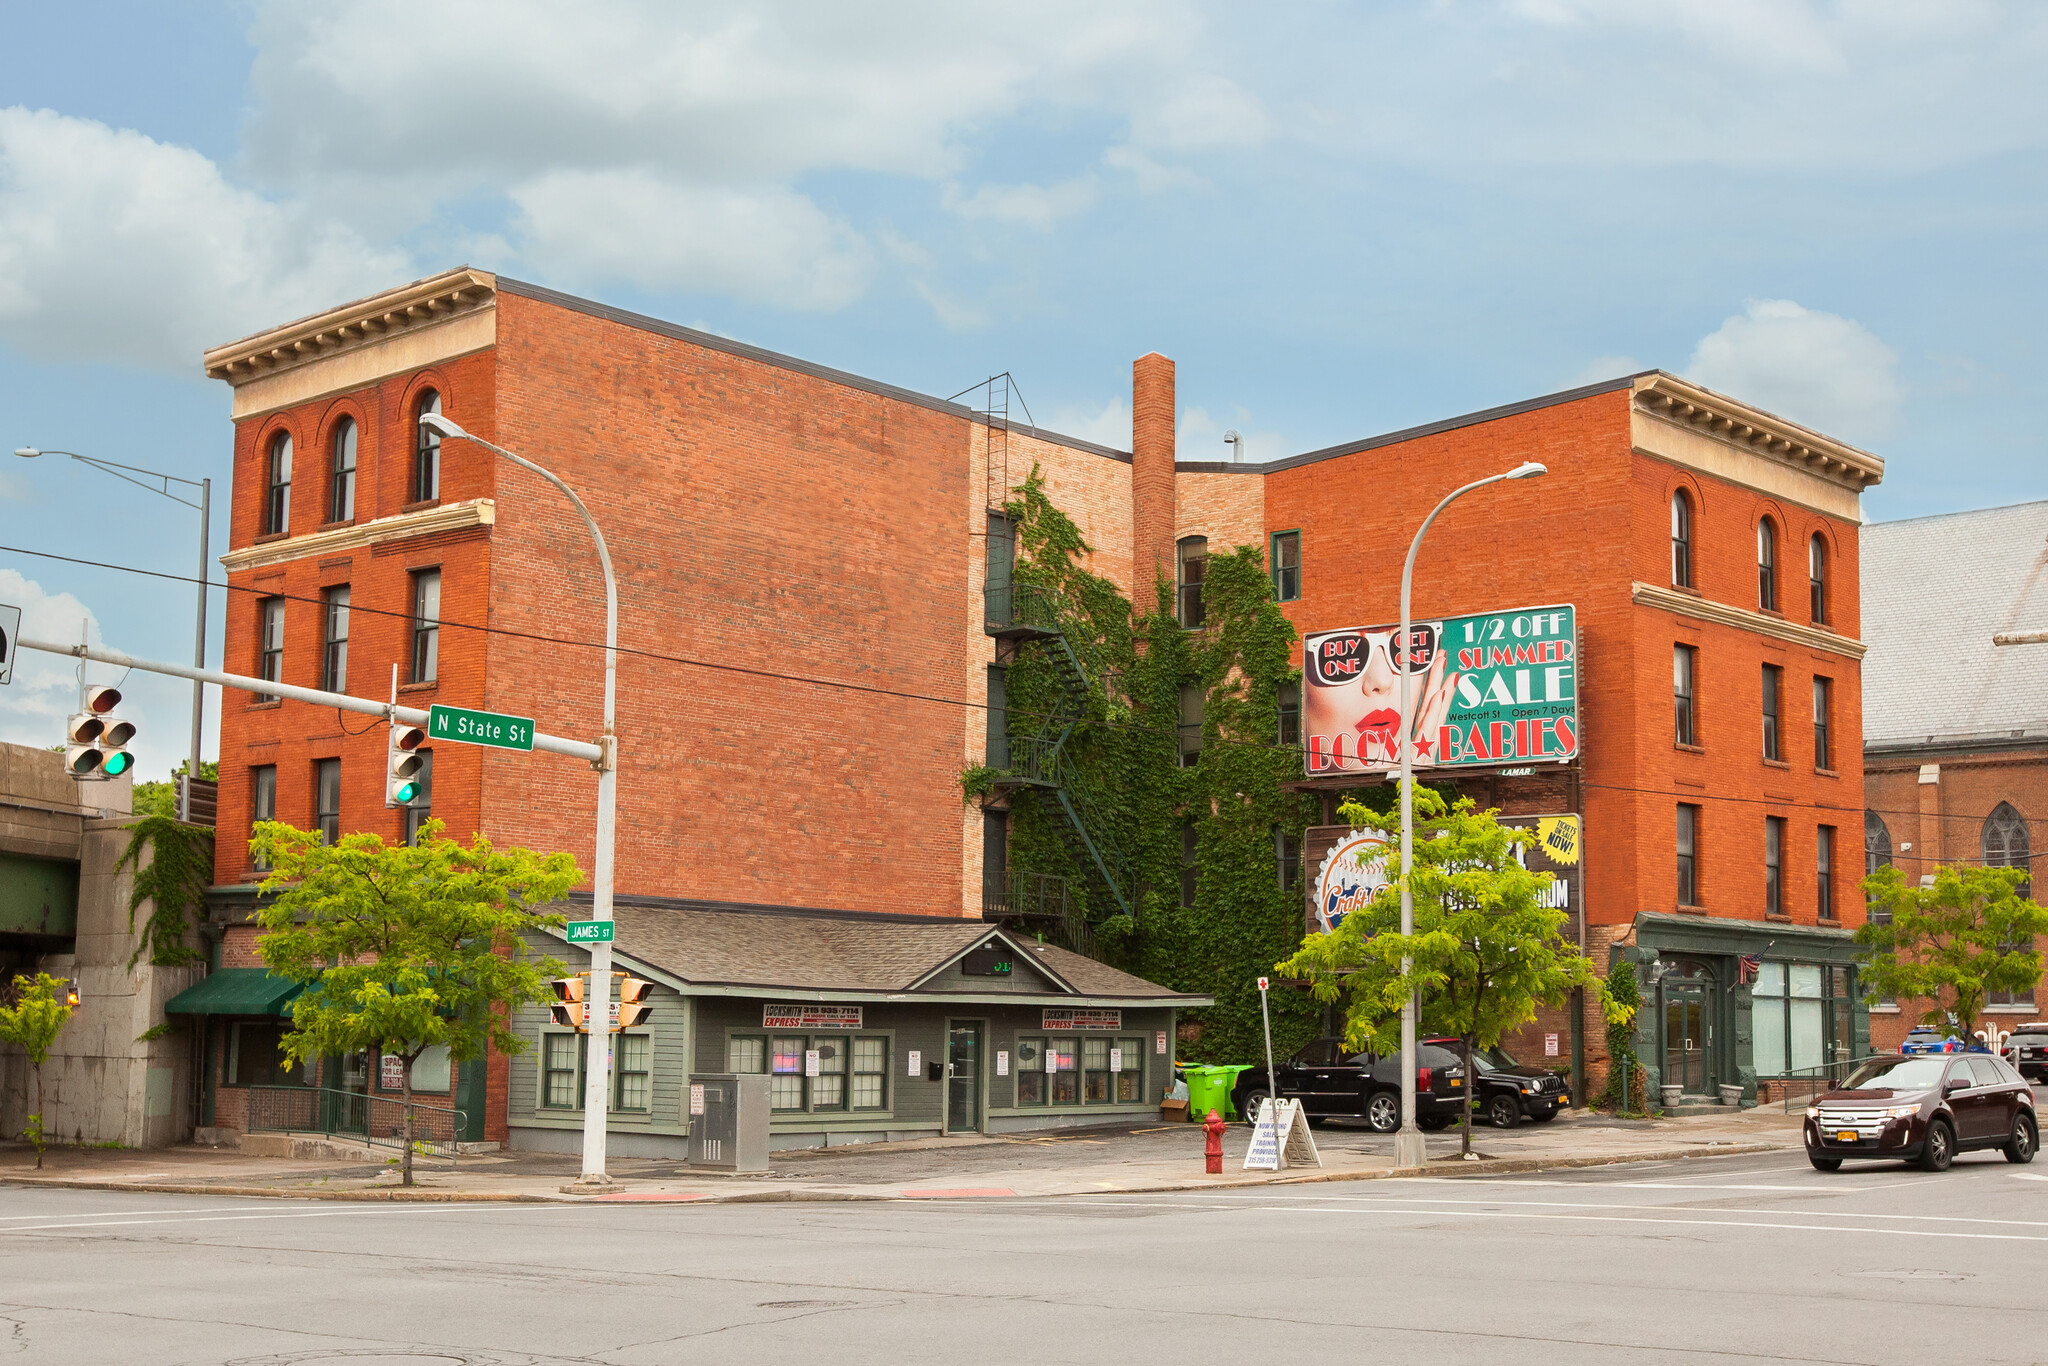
(963, 1077)
(1689, 1007)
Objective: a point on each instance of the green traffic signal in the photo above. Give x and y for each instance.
(117, 763)
(405, 792)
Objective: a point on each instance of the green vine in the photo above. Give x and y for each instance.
(1125, 753)
(175, 879)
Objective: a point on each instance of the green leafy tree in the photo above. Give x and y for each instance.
(405, 948)
(1621, 999)
(1485, 952)
(1951, 944)
(33, 1016)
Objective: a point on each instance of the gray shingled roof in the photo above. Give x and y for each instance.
(838, 951)
(1935, 590)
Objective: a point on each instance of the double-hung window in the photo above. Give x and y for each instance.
(1684, 665)
(262, 800)
(270, 642)
(1288, 700)
(327, 800)
(1688, 855)
(277, 503)
(341, 493)
(1817, 578)
(426, 458)
(1192, 558)
(1823, 745)
(1774, 865)
(1773, 696)
(1192, 697)
(816, 1073)
(1681, 540)
(1766, 565)
(561, 1071)
(1286, 565)
(1824, 872)
(334, 662)
(426, 626)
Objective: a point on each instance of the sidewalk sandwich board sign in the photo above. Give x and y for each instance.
(1280, 1138)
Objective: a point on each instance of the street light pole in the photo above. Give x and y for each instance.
(1409, 1148)
(597, 1003)
(205, 508)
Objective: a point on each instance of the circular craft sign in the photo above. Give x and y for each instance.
(1351, 876)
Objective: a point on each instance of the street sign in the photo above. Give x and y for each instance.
(485, 728)
(591, 931)
(10, 630)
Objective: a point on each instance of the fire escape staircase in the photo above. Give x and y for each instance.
(1022, 614)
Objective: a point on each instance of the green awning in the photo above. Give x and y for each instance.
(236, 991)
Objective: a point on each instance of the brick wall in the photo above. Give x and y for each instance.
(1229, 509)
(1152, 481)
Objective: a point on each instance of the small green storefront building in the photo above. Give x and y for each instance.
(869, 1027)
(1739, 1004)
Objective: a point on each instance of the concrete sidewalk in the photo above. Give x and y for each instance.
(1125, 1159)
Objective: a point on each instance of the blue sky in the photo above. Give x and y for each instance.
(1337, 219)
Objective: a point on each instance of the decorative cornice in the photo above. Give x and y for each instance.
(1688, 405)
(1762, 623)
(405, 526)
(421, 304)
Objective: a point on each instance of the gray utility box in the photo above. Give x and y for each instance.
(729, 1121)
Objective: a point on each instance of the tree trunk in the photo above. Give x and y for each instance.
(405, 1166)
(1468, 1086)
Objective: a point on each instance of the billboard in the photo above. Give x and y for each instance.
(1348, 867)
(1485, 691)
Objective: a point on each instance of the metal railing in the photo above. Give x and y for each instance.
(1012, 605)
(371, 1119)
(1813, 1081)
(1029, 894)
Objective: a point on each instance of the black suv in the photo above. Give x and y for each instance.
(1332, 1084)
(2027, 1050)
(1503, 1090)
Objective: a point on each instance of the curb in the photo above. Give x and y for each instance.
(1441, 1168)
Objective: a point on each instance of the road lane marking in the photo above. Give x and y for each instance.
(471, 1207)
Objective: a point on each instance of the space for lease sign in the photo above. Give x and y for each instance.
(1488, 690)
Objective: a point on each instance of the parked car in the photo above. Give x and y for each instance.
(1924, 1108)
(2027, 1050)
(1503, 1090)
(1333, 1084)
(1928, 1039)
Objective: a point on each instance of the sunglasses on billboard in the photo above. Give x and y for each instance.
(1342, 656)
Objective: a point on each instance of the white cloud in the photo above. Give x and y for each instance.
(1032, 206)
(45, 687)
(1109, 426)
(116, 247)
(1207, 113)
(769, 244)
(1824, 371)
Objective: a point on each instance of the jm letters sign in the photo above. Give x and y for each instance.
(810, 1017)
(1485, 691)
(1067, 1021)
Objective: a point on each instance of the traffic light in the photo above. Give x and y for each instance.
(402, 764)
(568, 1007)
(70, 992)
(633, 1003)
(97, 740)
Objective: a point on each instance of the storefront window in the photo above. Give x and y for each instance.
(257, 1058)
(852, 1074)
(1080, 1071)
(1801, 1018)
(1031, 1088)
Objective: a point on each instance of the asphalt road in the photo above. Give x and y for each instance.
(1742, 1259)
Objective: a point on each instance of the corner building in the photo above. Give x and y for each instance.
(807, 656)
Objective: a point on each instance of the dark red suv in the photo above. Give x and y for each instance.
(1924, 1109)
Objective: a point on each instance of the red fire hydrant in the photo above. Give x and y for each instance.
(1213, 1149)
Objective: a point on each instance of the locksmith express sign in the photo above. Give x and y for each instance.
(1488, 690)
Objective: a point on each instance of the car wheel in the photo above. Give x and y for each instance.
(1503, 1113)
(1824, 1164)
(1940, 1148)
(1383, 1112)
(2020, 1147)
(1248, 1105)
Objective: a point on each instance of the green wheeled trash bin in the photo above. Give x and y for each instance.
(1208, 1089)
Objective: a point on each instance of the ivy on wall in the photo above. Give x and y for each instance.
(1125, 753)
(174, 880)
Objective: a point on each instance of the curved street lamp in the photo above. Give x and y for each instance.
(1409, 1147)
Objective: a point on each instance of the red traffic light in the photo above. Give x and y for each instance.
(102, 699)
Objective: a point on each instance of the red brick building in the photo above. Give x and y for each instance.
(1956, 753)
(804, 673)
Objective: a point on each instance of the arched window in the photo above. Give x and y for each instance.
(277, 507)
(1192, 558)
(1877, 843)
(426, 460)
(341, 496)
(1766, 565)
(2005, 840)
(1817, 578)
(1681, 540)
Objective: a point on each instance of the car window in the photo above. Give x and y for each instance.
(1987, 1072)
(1918, 1073)
(1436, 1057)
(1959, 1074)
(2029, 1040)
(2006, 1070)
(1319, 1053)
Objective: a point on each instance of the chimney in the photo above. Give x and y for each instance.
(1152, 502)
